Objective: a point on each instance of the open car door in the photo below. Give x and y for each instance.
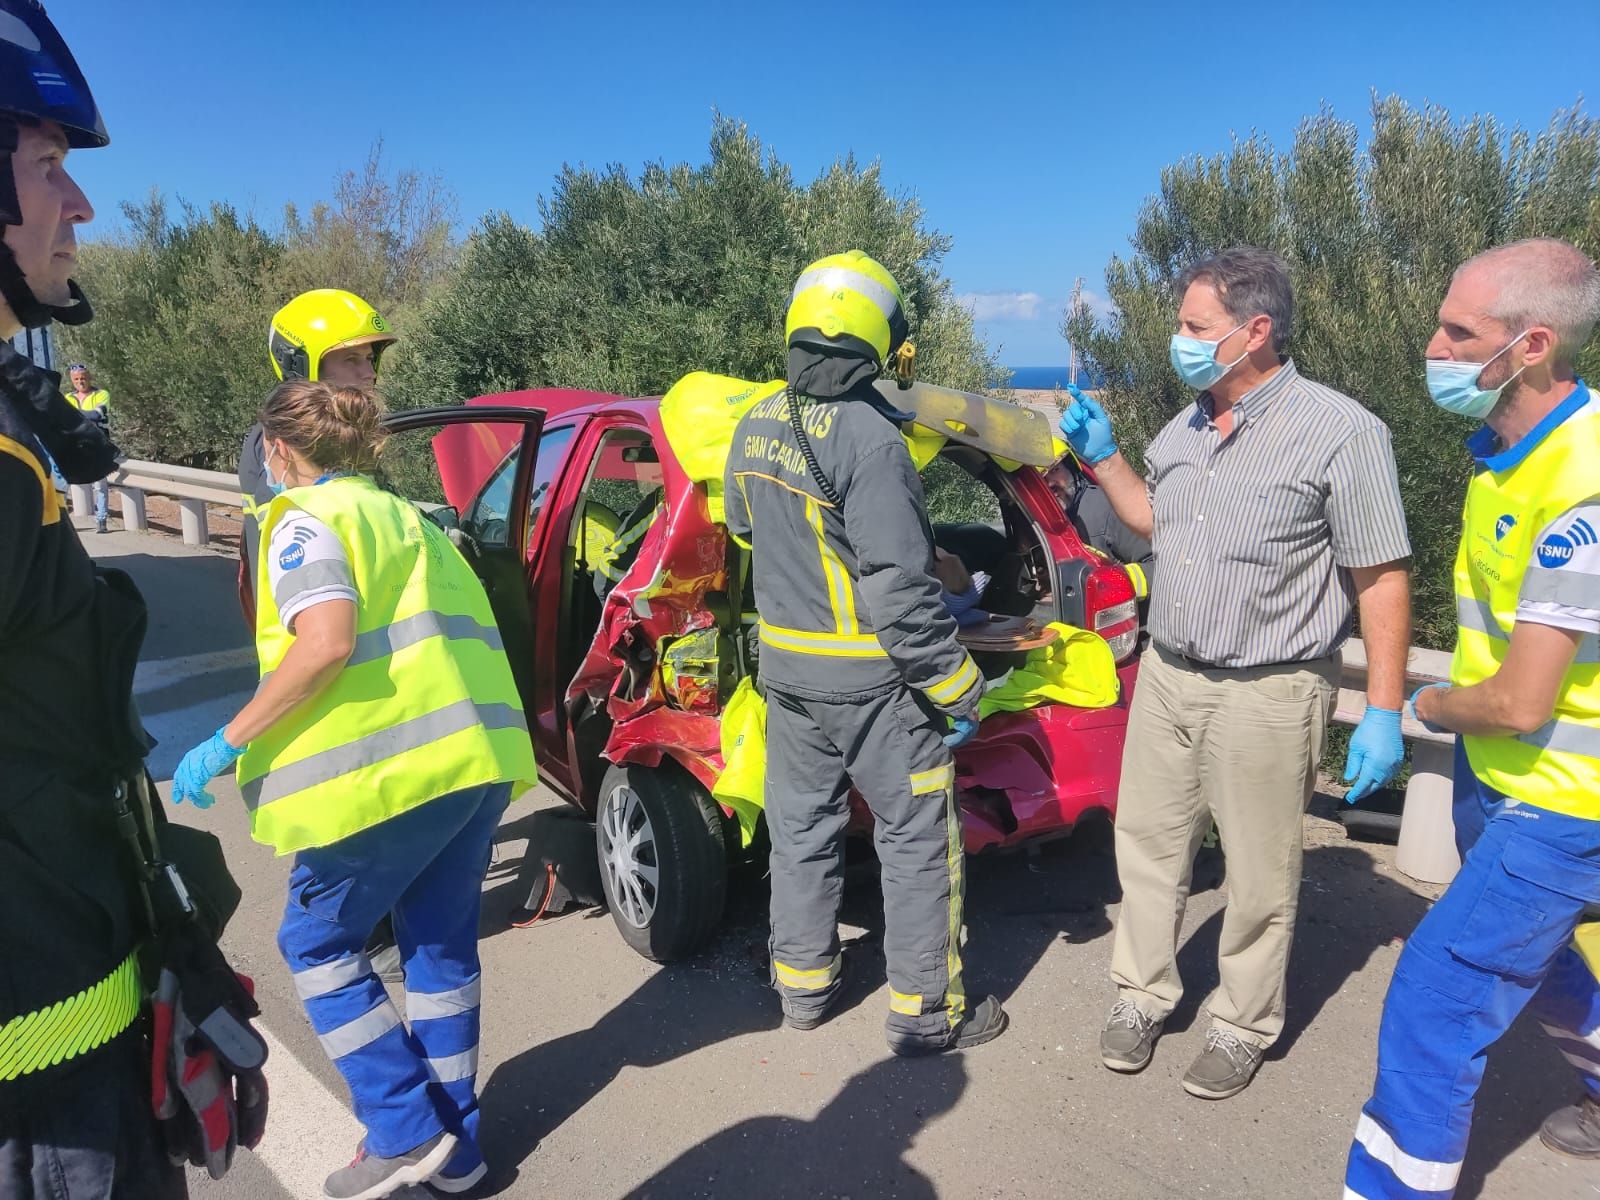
(485, 456)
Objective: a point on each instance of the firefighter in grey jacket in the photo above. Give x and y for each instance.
(865, 680)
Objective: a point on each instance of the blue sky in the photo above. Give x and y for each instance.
(1030, 132)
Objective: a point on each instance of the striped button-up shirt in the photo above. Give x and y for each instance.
(1255, 533)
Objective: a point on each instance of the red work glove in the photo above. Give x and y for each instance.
(206, 1107)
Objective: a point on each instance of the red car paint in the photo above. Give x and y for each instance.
(1026, 775)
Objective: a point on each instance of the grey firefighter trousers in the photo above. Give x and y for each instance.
(890, 746)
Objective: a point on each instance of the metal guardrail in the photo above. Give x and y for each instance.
(1427, 849)
(191, 487)
(1427, 843)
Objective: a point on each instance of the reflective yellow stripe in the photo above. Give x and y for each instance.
(52, 502)
(936, 779)
(38, 1040)
(955, 993)
(813, 980)
(840, 595)
(1141, 582)
(247, 505)
(951, 689)
(830, 645)
(905, 1003)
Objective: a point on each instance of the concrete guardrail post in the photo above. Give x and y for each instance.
(1427, 849)
(81, 496)
(133, 518)
(193, 515)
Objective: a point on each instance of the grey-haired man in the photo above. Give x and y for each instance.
(1274, 508)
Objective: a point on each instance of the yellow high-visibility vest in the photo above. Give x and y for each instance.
(425, 706)
(1508, 550)
(93, 402)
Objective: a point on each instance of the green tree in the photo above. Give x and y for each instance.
(1371, 234)
(629, 284)
(183, 300)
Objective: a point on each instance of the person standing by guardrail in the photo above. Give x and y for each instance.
(1525, 701)
(1274, 508)
(325, 334)
(95, 404)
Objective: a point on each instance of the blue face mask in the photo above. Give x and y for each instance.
(1454, 385)
(1195, 359)
(276, 486)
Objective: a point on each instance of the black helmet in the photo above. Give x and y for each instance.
(39, 81)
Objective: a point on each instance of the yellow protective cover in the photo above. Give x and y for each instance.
(742, 784)
(1077, 668)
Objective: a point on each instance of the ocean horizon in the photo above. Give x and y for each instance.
(1042, 378)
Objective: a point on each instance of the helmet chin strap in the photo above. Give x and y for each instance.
(30, 311)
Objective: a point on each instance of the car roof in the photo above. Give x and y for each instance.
(562, 402)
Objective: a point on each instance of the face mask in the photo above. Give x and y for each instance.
(1454, 385)
(1195, 359)
(276, 486)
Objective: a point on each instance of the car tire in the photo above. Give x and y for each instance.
(663, 859)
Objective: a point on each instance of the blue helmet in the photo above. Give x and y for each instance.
(39, 81)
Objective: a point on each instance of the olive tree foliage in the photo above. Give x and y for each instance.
(1372, 234)
(183, 296)
(629, 283)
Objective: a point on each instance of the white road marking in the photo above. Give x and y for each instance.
(151, 676)
(178, 729)
(310, 1131)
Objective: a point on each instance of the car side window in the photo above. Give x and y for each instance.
(487, 521)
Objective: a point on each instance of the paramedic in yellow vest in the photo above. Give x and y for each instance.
(1524, 700)
(94, 403)
(380, 750)
(327, 334)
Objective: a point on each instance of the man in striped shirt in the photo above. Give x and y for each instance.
(1274, 508)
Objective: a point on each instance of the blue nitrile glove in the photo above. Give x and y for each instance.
(1087, 428)
(961, 732)
(202, 764)
(1376, 752)
(1411, 706)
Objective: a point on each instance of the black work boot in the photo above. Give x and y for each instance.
(1574, 1130)
(821, 1003)
(984, 1022)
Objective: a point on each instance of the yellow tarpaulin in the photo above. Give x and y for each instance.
(1077, 668)
(700, 412)
(742, 784)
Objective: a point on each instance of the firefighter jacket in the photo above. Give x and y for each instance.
(844, 584)
(69, 638)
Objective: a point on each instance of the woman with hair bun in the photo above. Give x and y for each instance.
(380, 750)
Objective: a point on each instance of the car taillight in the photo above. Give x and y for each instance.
(1113, 609)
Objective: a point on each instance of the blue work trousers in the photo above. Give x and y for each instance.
(408, 1080)
(1496, 942)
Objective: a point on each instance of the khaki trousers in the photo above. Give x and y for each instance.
(1240, 747)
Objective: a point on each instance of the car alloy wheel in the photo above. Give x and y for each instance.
(628, 855)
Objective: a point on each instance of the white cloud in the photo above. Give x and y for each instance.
(1028, 306)
(1004, 306)
(1099, 305)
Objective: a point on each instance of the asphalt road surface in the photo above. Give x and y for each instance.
(604, 1075)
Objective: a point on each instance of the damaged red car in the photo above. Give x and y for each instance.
(626, 666)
